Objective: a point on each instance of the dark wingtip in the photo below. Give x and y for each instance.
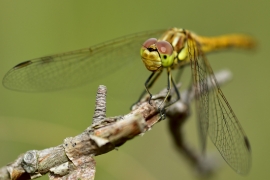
(247, 143)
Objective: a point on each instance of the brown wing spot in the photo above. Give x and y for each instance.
(22, 64)
(247, 143)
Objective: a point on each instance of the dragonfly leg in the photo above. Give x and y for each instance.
(154, 79)
(178, 97)
(148, 84)
(169, 86)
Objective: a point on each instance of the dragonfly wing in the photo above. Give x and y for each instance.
(78, 67)
(215, 116)
(199, 75)
(225, 130)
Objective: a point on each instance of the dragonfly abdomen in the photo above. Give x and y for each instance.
(209, 44)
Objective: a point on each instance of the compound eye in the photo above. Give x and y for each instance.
(164, 47)
(149, 42)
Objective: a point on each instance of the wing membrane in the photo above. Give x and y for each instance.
(76, 67)
(215, 115)
(199, 75)
(225, 130)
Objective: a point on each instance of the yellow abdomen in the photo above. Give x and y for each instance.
(209, 44)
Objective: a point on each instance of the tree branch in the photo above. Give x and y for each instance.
(74, 158)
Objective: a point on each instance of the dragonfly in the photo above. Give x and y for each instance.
(175, 49)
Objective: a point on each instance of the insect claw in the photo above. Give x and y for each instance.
(162, 113)
(150, 98)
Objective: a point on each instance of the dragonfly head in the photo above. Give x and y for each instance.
(156, 54)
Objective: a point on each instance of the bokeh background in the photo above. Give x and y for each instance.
(30, 29)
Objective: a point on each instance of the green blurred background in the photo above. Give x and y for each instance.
(30, 29)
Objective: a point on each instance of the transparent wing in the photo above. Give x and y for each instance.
(199, 75)
(216, 116)
(78, 67)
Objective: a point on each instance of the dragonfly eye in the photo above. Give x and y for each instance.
(164, 47)
(165, 50)
(149, 42)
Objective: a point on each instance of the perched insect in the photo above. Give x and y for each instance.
(175, 49)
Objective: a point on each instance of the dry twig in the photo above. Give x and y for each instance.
(74, 158)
